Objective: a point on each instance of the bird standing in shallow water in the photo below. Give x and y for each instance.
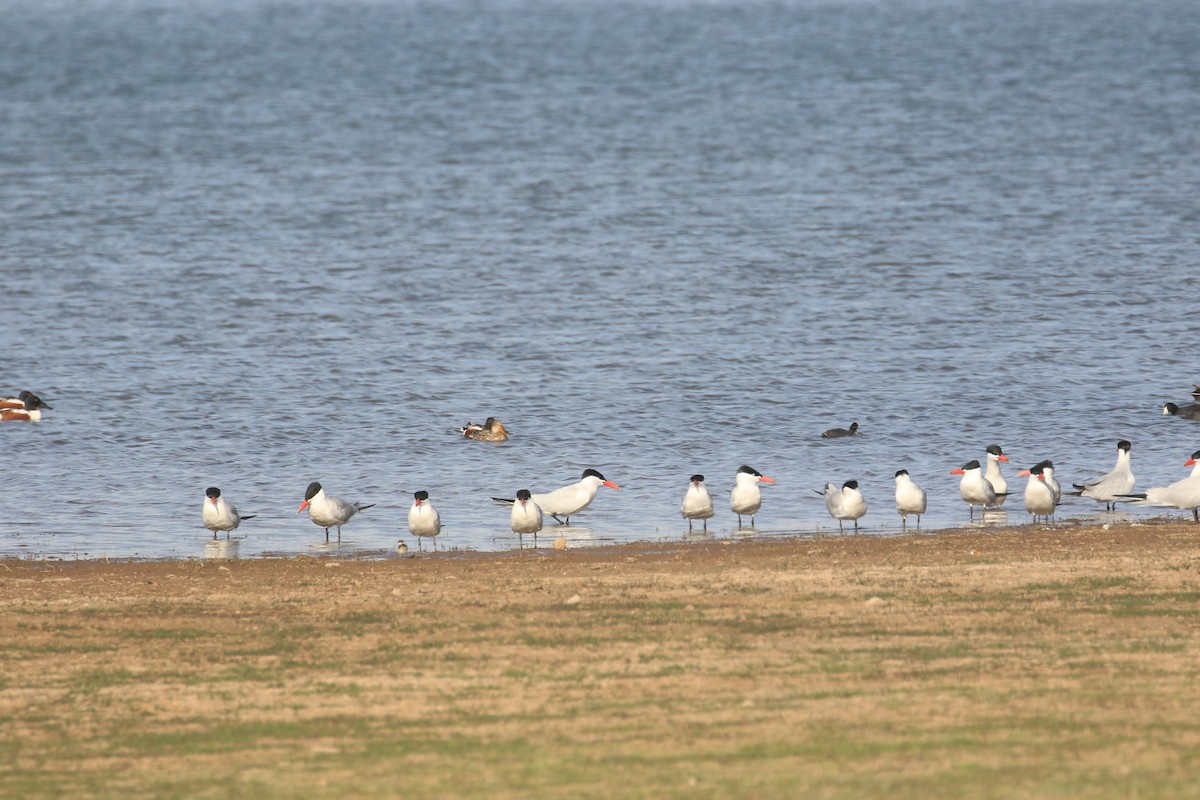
(1118, 482)
(569, 500)
(1039, 497)
(326, 511)
(1183, 494)
(423, 519)
(994, 456)
(910, 498)
(219, 514)
(746, 498)
(974, 489)
(526, 515)
(1048, 475)
(845, 503)
(697, 502)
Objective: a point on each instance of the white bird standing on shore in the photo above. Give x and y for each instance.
(746, 499)
(845, 503)
(1039, 496)
(570, 500)
(219, 514)
(974, 489)
(1118, 482)
(910, 498)
(1182, 494)
(1048, 474)
(526, 515)
(996, 478)
(326, 511)
(423, 518)
(697, 502)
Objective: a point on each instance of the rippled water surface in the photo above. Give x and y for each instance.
(255, 244)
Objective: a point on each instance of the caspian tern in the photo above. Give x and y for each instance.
(490, 431)
(697, 502)
(994, 456)
(569, 500)
(423, 518)
(910, 498)
(1039, 495)
(220, 514)
(328, 512)
(975, 489)
(845, 503)
(526, 515)
(1048, 476)
(746, 499)
(1107, 488)
(1182, 494)
(1191, 411)
(834, 433)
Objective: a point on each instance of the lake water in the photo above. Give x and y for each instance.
(253, 244)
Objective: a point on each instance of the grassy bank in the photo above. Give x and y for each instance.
(1016, 662)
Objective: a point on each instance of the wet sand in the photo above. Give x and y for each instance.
(1029, 661)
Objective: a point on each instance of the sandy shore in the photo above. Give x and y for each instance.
(1047, 662)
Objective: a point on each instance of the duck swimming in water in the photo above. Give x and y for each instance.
(1191, 411)
(490, 431)
(25, 407)
(834, 433)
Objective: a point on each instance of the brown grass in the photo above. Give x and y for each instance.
(1020, 662)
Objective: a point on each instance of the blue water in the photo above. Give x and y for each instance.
(253, 244)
